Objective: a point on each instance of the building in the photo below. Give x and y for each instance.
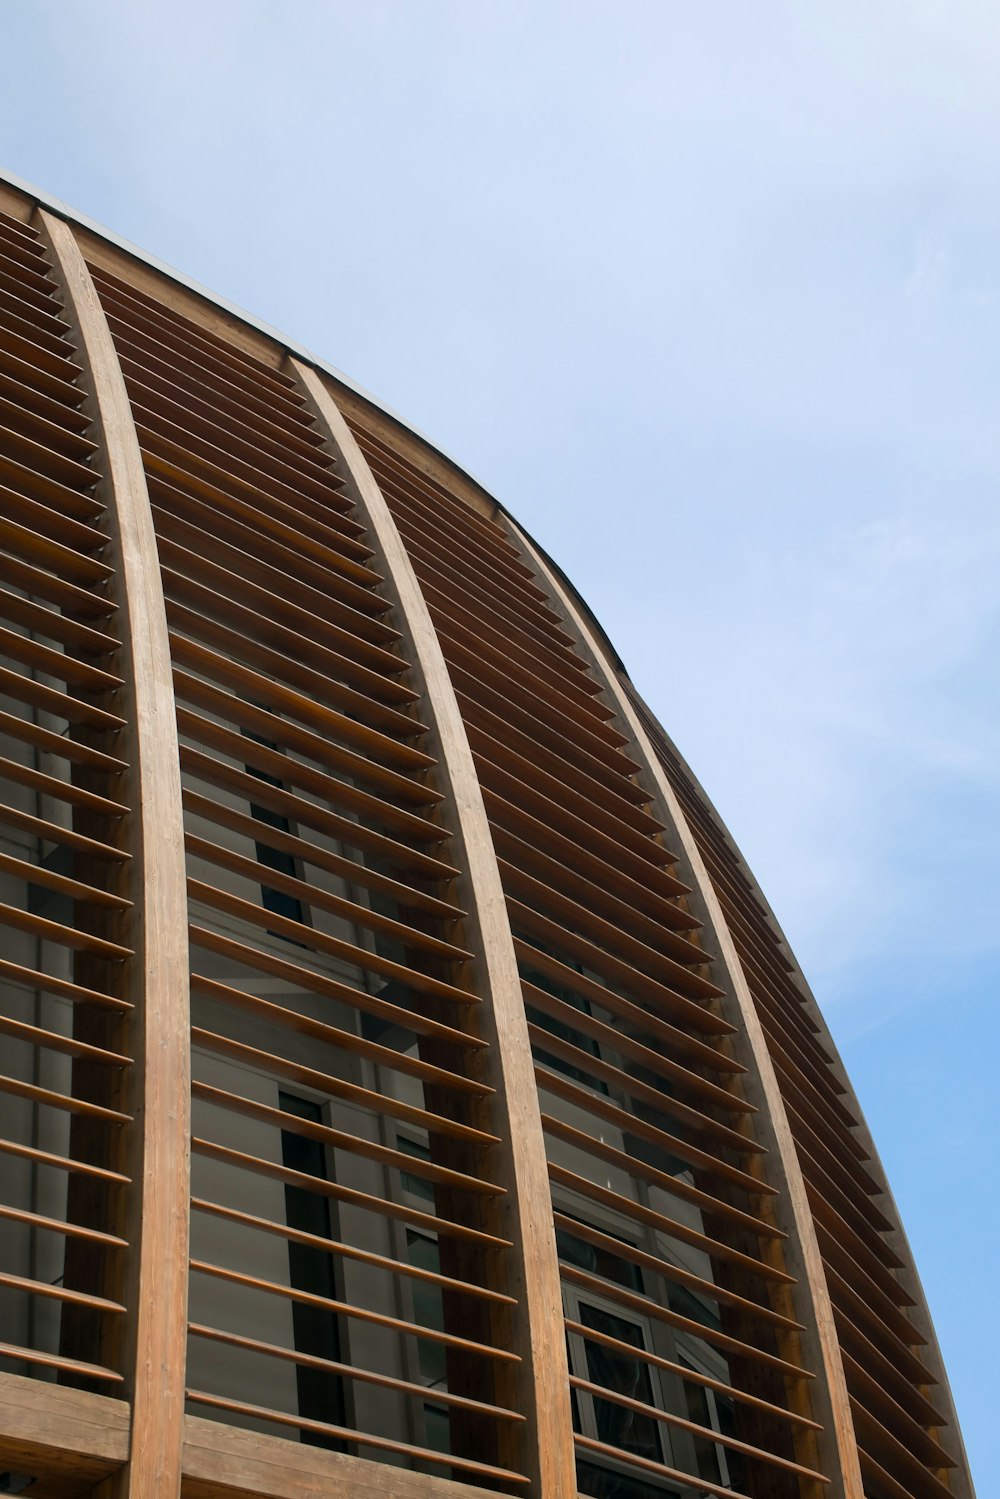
(410, 1092)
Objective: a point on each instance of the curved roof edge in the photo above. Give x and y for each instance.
(64, 211)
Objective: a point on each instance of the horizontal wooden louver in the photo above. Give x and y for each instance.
(897, 1417)
(347, 1278)
(660, 1203)
(65, 997)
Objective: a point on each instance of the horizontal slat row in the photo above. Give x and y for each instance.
(346, 1274)
(892, 1395)
(651, 1148)
(64, 802)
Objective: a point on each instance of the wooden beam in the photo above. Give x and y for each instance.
(543, 1378)
(50, 1432)
(837, 1452)
(155, 1288)
(225, 1460)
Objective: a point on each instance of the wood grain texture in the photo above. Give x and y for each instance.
(225, 1460)
(54, 1432)
(156, 1278)
(837, 1446)
(527, 1214)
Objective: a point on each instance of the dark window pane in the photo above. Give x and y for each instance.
(321, 1393)
(598, 1260)
(616, 1371)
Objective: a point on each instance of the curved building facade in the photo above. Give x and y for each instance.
(407, 1089)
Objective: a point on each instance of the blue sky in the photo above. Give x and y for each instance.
(709, 296)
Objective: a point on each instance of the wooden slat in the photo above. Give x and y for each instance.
(659, 1470)
(269, 690)
(32, 472)
(430, 1222)
(71, 1366)
(47, 622)
(601, 1107)
(59, 744)
(634, 979)
(57, 664)
(35, 1035)
(211, 408)
(285, 768)
(61, 1226)
(654, 1413)
(629, 1208)
(271, 722)
(338, 1139)
(647, 1307)
(309, 669)
(319, 528)
(313, 895)
(649, 892)
(240, 600)
(642, 867)
(335, 1087)
(282, 1016)
(248, 448)
(617, 1039)
(62, 1162)
(40, 533)
(320, 983)
(352, 1371)
(894, 1418)
(261, 560)
(347, 1310)
(32, 978)
(671, 926)
(897, 1458)
(320, 560)
(674, 1185)
(59, 790)
(350, 870)
(668, 1270)
(340, 1250)
(307, 936)
(23, 689)
(27, 411)
(51, 1099)
(66, 936)
(622, 1081)
(554, 772)
(362, 1439)
(21, 340)
(49, 879)
(650, 1024)
(54, 832)
(70, 598)
(302, 811)
(29, 1287)
(691, 1375)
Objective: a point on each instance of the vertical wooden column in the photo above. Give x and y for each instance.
(540, 1342)
(959, 1478)
(155, 1290)
(838, 1455)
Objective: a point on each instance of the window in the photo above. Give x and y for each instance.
(717, 1464)
(278, 901)
(428, 1306)
(310, 1268)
